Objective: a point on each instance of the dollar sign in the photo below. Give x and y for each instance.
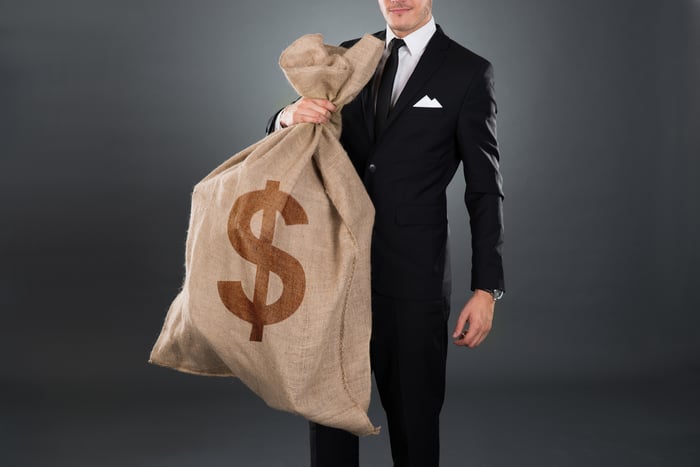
(267, 257)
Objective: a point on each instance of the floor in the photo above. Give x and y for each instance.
(218, 422)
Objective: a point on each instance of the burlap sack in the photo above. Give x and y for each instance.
(277, 284)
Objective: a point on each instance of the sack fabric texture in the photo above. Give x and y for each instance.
(277, 267)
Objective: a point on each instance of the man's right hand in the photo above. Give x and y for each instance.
(307, 110)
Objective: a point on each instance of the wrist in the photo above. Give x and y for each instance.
(493, 294)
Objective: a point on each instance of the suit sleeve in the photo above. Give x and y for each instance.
(478, 149)
(270, 127)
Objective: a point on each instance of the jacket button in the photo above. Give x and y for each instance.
(372, 168)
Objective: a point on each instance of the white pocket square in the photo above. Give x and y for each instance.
(428, 103)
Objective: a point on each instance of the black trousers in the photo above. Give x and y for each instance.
(408, 354)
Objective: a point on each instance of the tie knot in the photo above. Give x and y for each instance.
(395, 45)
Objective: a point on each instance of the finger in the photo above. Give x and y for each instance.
(459, 327)
(321, 107)
(309, 110)
(326, 104)
(309, 115)
(461, 338)
(313, 106)
(314, 113)
(474, 343)
(471, 339)
(481, 337)
(460, 342)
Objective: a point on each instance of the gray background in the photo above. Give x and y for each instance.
(110, 112)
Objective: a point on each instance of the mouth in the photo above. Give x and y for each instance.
(399, 10)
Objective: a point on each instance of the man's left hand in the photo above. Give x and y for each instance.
(478, 313)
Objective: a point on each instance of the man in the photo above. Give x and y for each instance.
(429, 107)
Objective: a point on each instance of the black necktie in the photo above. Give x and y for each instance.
(386, 85)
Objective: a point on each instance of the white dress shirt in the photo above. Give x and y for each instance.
(410, 54)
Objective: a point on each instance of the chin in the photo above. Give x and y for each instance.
(400, 27)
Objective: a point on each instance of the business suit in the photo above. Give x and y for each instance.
(406, 172)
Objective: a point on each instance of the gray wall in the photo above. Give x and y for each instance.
(111, 111)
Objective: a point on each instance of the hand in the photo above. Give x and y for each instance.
(478, 312)
(307, 110)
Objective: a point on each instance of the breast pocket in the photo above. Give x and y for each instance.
(426, 129)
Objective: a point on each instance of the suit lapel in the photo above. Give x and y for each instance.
(432, 58)
(368, 107)
(367, 101)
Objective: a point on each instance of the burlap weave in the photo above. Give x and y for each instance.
(277, 283)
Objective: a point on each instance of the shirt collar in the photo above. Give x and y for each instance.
(418, 40)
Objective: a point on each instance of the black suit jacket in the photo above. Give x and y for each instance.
(407, 171)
